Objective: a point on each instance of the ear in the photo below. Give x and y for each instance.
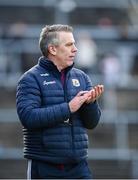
(52, 50)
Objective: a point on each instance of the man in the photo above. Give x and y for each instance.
(56, 105)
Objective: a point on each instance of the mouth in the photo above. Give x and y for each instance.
(72, 57)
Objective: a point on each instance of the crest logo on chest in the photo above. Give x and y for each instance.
(75, 82)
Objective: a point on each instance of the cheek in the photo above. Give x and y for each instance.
(64, 56)
(62, 53)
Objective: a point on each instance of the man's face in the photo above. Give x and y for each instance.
(66, 50)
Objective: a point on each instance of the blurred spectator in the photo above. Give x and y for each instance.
(17, 30)
(124, 31)
(126, 56)
(135, 66)
(3, 66)
(87, 51)
(105, 22)
(15, 35)
(110, 68)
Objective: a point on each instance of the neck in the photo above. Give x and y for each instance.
(59, 67)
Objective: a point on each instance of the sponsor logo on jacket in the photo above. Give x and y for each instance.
(48, 82)
(45, 74)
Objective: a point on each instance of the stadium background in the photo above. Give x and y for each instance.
(112, 27)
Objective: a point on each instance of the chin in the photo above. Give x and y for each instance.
(70, 63)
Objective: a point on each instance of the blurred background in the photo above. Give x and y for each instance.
(106, 33)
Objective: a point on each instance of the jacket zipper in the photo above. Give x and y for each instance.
(70, 123)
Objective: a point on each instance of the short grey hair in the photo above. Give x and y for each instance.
(49, 35)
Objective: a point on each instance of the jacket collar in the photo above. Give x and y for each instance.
(48, 64)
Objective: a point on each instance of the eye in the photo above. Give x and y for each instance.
(70, 44)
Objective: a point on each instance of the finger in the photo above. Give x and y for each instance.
(94, 93)
(99, 89)
(102, 88)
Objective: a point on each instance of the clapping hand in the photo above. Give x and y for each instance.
(85, 97)
(95, 93)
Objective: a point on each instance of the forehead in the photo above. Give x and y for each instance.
(65, 37)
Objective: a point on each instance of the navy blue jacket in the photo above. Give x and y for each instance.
(43, 109)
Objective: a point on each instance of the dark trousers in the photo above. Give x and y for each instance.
(45, 170)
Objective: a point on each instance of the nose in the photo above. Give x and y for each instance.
(75, 49)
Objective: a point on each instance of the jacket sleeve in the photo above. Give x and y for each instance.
(30, 112)
(90, 113)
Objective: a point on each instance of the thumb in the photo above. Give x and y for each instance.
(81, 93)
